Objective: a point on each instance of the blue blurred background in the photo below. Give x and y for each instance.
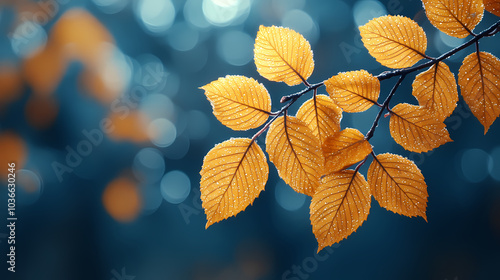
(101, 110)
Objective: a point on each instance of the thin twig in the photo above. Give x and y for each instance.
(385, 106)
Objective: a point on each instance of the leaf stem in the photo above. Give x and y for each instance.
(291, 98)
(385, 106)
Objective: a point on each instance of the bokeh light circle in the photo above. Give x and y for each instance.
(182, 37)
(287, 198)
(162, 132)
(175, 186)
(364, 11)
(235, 47)
(476, 165)
(495, 168)
(149, 165)
(302, 23)
(28, 186)
(28, 37)
(157, 16)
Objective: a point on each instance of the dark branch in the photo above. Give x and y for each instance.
(486, 33)
(385, 106)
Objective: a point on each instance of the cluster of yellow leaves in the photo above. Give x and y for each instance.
(310, 150)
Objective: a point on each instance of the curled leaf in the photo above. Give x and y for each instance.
(398, 185)
(436, 90)
(339, 206)
(479, 80)
(283, 55)
(233, 174)
(354, 91)
(239, 102)
(394, 41)
(321, 115)
(417, 130)
(344, 149)
(456, 18)
(296, 153)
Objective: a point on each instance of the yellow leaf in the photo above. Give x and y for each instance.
(492, 6)
(296, 153)
(81, 36)
(344, 149)
(398, 185)
(321, 115)
(479, 80)
(233, 174)
(283, 55)
(339, 206)
(417, 130)
(436, 90)
(44, 70)
(454, 17)
(239, 102)
(394, 41)
(354, 91)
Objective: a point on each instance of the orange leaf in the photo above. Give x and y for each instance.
(239, 102)
(416, 129)
(339, 206)
(122, 199)
(283, 55)
(344, 149)
(492, 6)
(321, 115)
(132, 126)
(11, 84)
(479, 80)
(296, 153)
(44, 70)
(354, 91)
(436, 90)
(81, 36)
(398, 185)
(233, 174)
(14, 149)
(456, 18)
(394, 41)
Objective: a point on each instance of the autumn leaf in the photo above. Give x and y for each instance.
(394, 41)
(344, 149)
(436, 90)
(296, 153)
(84, 33)
(479, 80)
(417, 130)
(239, 102)
(339, 206)
(492, 6)
(321, 115)
(233, 175)
(398, 185)
(283, 55)
(456, 18)
(44, 70)
(354, 91)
